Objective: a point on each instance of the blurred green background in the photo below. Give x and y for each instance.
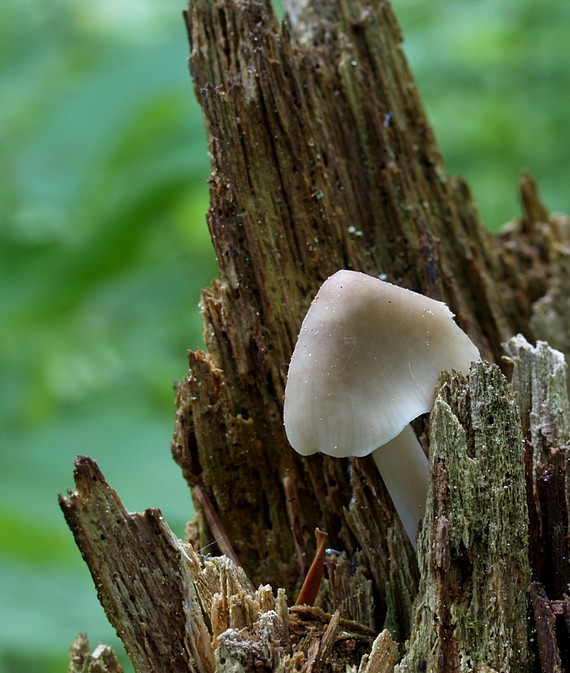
(104, 248)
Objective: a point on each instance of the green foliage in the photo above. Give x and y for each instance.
(104, 248)
(495, 78)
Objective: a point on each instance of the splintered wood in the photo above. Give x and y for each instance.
(101, 660)
(178, 611)
(494, 505)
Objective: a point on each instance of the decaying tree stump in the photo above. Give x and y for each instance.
(322, 158)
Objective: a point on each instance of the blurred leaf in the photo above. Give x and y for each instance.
(47, 610)
(496, 85)
(103, 250)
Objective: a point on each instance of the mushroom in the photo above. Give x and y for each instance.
(366, 363)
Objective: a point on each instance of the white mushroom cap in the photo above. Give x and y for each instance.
(366, 363)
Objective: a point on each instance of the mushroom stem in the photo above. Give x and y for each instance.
(403, 467)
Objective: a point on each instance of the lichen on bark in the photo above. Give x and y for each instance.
(473, 557)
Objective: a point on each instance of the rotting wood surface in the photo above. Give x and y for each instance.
(175, 608)
(322, 158)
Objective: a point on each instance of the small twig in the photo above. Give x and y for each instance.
(314, 577)
(214, 523)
